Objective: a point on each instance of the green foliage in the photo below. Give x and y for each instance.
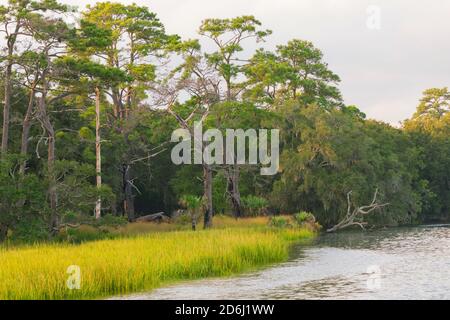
(295, 71)
(335, 153)
(193, 204)
(304, 217)
(74, 69)
(429, 130)
(228, 36)
(84, 234)
(327, 148)
(279, 222)
(109, 220)
(75, 191)
(435, 103)
(254, 205)
(30, 229)
(220, 199)
(22, 199)
(187, 181)
(183, 219)
(81, 228)
(90, 38)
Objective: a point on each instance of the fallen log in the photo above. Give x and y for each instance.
(156, 217)
(356, 217)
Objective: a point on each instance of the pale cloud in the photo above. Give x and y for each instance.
(383, 71)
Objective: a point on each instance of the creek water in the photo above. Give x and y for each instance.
(400, 263)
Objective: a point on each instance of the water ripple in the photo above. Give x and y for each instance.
(404, 263)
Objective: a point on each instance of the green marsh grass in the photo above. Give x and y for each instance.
(144, 262)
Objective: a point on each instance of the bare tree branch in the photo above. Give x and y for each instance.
(356, 217)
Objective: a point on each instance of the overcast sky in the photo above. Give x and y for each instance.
(383, 71)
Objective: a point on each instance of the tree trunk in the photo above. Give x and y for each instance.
(48, 126)
(129, 103)
(51, 168)
(3, 232)
(6, 108)
(117, 104)
(233, 172)
(127, 187)
(114, 207)
(233, 190)
(26, 126)
(194, 221)
(52, 182)
(98, 159)
(207, 183)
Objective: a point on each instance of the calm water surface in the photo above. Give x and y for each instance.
(404, 263)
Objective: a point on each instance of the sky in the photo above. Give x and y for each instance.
(385, 52)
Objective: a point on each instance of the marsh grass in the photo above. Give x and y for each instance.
(129, 265)
(87, 233)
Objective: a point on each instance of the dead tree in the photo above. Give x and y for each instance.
(356, 217)
(47, 125)
(207, 169)
(98, 154)
(203, 84)
(26, 125)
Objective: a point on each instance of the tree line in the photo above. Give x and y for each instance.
(89, 109)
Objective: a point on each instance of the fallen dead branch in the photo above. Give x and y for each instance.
(356, 217)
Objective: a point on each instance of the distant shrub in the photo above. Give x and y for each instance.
(302, 220)
(304, 217)
(85, 233)
(22, 201)
(111, 221)
(29, 230)
(108, 220)
(279, 222)
(254, 205)
(183, 219)
(70, 217)
(78, 228)
(193, 205)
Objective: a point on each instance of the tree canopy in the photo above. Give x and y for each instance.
(119, 80)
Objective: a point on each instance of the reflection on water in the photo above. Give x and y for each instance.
(405, 263)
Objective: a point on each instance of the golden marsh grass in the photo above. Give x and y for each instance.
(145, 262)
